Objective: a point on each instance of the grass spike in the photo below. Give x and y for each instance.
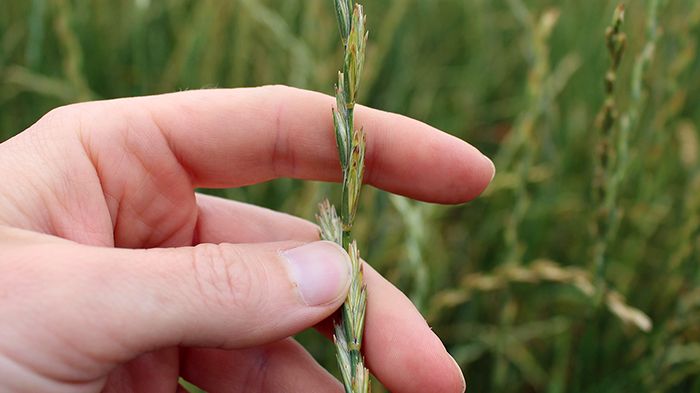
(351, 144)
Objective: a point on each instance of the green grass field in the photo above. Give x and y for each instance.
(515, 282)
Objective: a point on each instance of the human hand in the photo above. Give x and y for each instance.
(116, 276)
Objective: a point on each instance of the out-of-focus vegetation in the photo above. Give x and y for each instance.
(508, 281)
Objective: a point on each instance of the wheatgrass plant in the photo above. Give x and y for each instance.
(603, 184)
(351, 144)
(612, 160)
(521, 151)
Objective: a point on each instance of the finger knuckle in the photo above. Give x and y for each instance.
(225, 277)
(71, 116)
(58, 117)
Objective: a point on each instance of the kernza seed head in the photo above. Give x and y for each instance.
(351, 144)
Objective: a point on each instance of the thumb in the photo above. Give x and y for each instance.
(226, 295)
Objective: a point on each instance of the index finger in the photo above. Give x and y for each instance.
(234, 137)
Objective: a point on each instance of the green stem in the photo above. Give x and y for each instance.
(346, 239)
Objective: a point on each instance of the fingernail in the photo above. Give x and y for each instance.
(320, 271)
(493, 167)
(461, 375)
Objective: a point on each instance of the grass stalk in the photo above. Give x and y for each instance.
(521, 153)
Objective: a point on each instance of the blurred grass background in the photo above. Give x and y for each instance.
(508, 281)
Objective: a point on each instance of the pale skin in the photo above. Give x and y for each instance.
(116, 276)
